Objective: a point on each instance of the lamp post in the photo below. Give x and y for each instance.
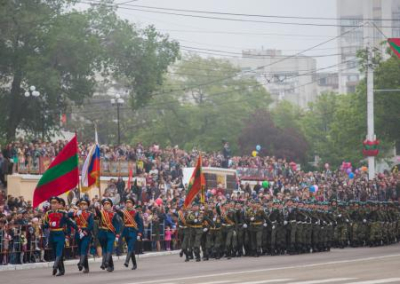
(36, 94)
(118, 102)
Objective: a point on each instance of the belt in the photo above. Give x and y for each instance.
(256, 223)
(105, 228)
(83, 227)
(183, 227)
(227, 225)
(292, 221)
(197, 226)
(130, 226)
(215, 229)
(57, 230)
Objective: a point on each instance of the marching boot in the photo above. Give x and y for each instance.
(56, 265)
(110, 266)
(181, 253)
(228, 255)
(61, 270)
(197, 256)
(128, 257)
(191, 254)
(217, 255)
(80, 263)
(205, 256)
(86, 264)
(103, 262)
(186, 255)
(134, 267)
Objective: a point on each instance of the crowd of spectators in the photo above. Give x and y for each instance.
(22, 239)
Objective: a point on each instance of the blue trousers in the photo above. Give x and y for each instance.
(106, 239)
(130, 236)
(57, 242)
(83, 244)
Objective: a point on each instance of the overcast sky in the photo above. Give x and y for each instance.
(233, 36)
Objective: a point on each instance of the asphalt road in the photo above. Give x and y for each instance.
(348, 266)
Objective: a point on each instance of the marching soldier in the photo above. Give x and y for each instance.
(195, 220)
(109, 228)
(55, 220)
(229, 222)
(133, 230)
(84, 221)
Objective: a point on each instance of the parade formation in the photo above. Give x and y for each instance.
(233, 229)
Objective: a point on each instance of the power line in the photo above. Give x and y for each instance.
(224, 19)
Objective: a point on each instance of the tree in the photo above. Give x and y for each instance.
(202, 102)
(63, 52)
(260, 129)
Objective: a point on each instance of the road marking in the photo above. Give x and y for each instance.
(215, 282)
(323, 281)
(265, 281)
(388, 280)
(269, 269)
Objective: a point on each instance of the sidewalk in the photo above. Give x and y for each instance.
(75, 261)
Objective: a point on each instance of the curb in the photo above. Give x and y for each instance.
(75, 261)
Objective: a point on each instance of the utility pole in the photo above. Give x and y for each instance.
(370, 111)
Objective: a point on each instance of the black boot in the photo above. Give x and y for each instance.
(56, 265)
(128, 257)
(86, 264)
(217, 255)
(197, 256)
(205, 256)
(134, 267)
(110, 262)
(191, 255)
(187, 259)
(181, 253)
(103, 262)
(61, 270)
(80, 263)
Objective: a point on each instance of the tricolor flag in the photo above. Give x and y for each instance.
(91, 169)
(196, 183)
(61, 176)
(395, 45)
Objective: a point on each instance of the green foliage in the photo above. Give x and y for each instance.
(203, 102)
(62, 52)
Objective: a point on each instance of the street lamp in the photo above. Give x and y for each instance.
(118, 102)
(32, 91)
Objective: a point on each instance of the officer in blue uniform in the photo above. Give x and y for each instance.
(109, 228)
(84, 221)
(133, 230)
(56, 220)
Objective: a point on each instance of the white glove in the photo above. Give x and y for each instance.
(205, 230)
(81, 235)
(79, 213)
(116, 240)
(244, 226)
(347, 220)
(214, 219)
(252, 219)
(340, 215)
(365, 221)
(138, 238)
(196, 220)
(265, 224)
(53, 224)
(273, 227)
(324, 222)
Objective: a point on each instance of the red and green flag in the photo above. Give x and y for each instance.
(395, 45)
(196, 183)
(61, 176)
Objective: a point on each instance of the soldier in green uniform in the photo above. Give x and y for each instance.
(229, 221)
(241, 228)
(183, 232)
(195, 220)
(214, 236)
